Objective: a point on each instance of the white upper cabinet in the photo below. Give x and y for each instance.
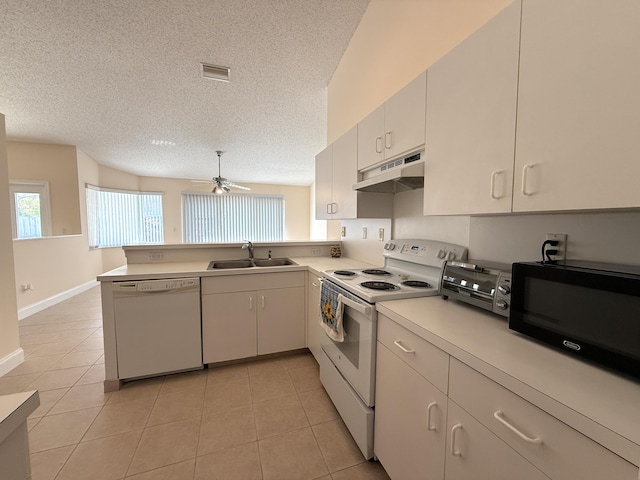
(578, 106)
(370, 138)
(394, 128)
(324, 183)
(470, 121)
(336, 172)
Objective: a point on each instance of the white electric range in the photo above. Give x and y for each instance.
(412, 268)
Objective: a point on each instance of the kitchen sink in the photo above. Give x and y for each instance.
(248, 263)
(222, 264)
(273, 262)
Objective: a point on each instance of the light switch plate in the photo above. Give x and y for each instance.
(381, 234)
(364, 233)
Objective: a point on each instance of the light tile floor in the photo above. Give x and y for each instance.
(265, 420)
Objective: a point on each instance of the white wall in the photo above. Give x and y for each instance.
(10, 351)
(395, 41)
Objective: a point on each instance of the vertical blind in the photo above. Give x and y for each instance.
(230, 218)
(117, 218)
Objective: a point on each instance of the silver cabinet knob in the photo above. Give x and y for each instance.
(502, 305)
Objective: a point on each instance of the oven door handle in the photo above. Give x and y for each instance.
(363, 309)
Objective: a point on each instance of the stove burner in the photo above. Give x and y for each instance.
(416, 284)
(375, 271)
(344, 273)
(379, 285)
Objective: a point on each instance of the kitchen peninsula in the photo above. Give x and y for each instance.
(231, 297)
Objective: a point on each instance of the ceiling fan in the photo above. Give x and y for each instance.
(221, 185)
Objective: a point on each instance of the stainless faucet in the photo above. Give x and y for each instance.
(248, 246)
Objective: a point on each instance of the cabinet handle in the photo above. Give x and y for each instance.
(525, 170)
(250, 303)
(498, 416)
(387, 140)
(378, 144)
(494, 174)
(454, 451)
(262, 300)
(403, 348)
(429, 409)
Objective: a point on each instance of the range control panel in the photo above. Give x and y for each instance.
(424, 252)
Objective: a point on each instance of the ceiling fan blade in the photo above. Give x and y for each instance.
(235, 185)
(202, 181)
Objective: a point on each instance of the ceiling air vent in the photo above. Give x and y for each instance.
(215, 72)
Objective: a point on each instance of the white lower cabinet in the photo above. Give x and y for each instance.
(248, 315)
(478, 430)
(314, 330)
(555, 448)
(474, 453)
(410, 425)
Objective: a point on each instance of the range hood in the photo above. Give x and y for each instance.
(396, 176)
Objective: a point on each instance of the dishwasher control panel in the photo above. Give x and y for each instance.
(157, 285)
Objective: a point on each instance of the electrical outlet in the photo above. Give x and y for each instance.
(343, 232)
(315, 251)
(156, 256)
(381, 234)
(364, 233)
(561, 238)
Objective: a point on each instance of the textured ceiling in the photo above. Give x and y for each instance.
(113, 76)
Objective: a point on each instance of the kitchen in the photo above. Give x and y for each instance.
(607, 236)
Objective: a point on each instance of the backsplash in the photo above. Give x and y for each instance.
(600, 236)
(368, 249)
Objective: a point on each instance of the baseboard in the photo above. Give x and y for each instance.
(11, 361)
(49, 302)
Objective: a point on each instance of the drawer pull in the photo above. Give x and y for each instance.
(454, 451)
(402, 347)
(431, 428)
(498, 416)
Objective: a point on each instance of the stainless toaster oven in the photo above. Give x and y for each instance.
(484, 284)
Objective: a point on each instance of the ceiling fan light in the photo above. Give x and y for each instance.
(218, 190)
(215, 72)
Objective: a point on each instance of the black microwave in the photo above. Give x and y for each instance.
(588, 309)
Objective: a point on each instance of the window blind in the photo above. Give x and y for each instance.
(230, 218)
(117, 217)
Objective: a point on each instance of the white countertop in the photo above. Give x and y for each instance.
(14, 410)
(602, 405)
(149, 271)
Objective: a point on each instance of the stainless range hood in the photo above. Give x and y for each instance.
(396, 176)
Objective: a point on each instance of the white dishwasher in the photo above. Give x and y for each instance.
(157, 326)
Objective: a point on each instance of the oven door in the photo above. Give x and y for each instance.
(355, 356)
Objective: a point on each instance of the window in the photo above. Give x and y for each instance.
(118, 217)
(30, 210)
(230, 218)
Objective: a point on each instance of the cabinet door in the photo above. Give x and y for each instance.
(578, 106)
(471, 119)
(314, 331)
(371, 139)
(228, 326)
(324, 180)
(410, 431)
(281, 324)
(404, 118)
(345, 174)
(474, 453)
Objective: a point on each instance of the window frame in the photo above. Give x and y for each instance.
(40, 187)
(121, 242)
(188, 237)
